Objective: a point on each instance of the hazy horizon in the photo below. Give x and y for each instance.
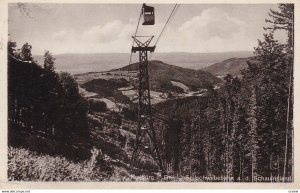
(97, 62)
(153, 53)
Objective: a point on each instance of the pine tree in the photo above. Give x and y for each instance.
(253, 136)
(284, 20)
(49, 61)
(26, 52)
(11, 48)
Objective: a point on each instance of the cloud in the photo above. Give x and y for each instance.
(214, 30)
(212, 23)
(106, 33)
(64, 35)
(195, 28)
(114, 36)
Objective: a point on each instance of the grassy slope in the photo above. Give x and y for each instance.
(28, 165)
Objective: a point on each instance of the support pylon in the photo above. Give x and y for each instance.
(145, 133)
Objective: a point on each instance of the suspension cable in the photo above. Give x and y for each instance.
(136, 30)
(172, 13)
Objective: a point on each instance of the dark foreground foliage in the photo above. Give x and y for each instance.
(43, 104)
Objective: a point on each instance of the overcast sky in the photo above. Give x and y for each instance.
(107, 28)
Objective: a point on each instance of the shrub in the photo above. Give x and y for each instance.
(97, 105)
(130, 113)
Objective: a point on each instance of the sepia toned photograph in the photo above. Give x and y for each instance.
(149, 92)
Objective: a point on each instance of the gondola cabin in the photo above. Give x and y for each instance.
(148, 14)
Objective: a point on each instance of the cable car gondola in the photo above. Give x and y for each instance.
(148, 14)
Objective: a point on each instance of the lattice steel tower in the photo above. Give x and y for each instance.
(145, 134)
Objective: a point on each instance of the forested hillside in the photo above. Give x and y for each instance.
(46, 111)
(245, 129)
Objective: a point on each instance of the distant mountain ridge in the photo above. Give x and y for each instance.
(231, 66)
(97, 62)
(161, 74)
